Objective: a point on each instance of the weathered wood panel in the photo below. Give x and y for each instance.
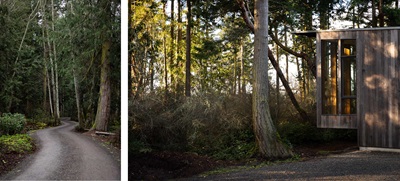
(360, 86)
(335, 35)
(341, 121)
(378, 89)
(319, 81)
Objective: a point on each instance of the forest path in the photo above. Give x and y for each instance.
(356, 165)
(67, 155)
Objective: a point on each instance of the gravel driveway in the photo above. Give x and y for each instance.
(66, 155)
(357, 165)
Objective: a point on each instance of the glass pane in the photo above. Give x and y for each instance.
(329, 77)
(348, 47)
(349, 70)
(349, 106)
(348, 78)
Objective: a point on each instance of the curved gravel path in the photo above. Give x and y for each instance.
(66, 155)
(357, 165)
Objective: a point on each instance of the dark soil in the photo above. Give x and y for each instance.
(164, 165)
(168, 165)
(9, 160)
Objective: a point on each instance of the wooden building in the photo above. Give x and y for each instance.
(358, 83)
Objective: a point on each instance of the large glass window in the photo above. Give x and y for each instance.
(329, 77)
(348, 77)
(330, 68)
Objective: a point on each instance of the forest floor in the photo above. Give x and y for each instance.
(172, 165)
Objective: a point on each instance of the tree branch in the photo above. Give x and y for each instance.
(310, 63)
(285, 83)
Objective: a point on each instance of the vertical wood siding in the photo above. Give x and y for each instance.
(378, 88)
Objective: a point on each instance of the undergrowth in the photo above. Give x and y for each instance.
(214, 125)
(19, 143)
(217, 125)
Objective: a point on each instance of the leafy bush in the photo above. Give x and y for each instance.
(41, 125)
(18, 143)
(11, 123)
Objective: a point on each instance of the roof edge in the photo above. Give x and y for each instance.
(312, 33)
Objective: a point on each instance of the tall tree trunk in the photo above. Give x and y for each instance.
(130, 66)
(171, 53)
(323, 7)
(50, 95)
(152, 69)
(277, 76)
(242, 88)
(269, 144)
(77, 98)
(103, 107)
(374, 21)
(48, 54)
(286, 55)
(179, 63)
(45, 70)
(52, 87)
(188, 48)
(299, 76)
(234, 85)
(165, 67)
(165, 59)
(56, 95)
(381, 15)
(76, 83)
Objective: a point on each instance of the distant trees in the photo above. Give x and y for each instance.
(50, 49)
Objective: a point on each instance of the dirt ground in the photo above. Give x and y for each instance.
(171, 165)
(8, 161)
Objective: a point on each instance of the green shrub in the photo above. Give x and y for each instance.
(18, 143)
(41, 125)
(11, 124)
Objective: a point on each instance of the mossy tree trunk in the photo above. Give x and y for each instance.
(103, 105)
(268, 141)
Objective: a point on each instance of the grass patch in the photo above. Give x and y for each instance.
(19, 143)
